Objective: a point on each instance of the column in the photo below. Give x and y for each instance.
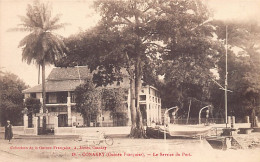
(157, 113)
(147, 114)
(256, 121)
(25, 121)
(247, 119)
(69, 109)
(55, 125)
(229, 120)
(35, 125)
(160, 113)
(128, 108)
(233, 121)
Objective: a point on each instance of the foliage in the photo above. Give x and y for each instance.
(41, 46)
(243, 66)
(113, 99)
(133, 34)
(191, 53)
(91, 101)
(88, 101)
(11, 98)
(33, 105)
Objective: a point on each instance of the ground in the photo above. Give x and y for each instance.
(123, 149)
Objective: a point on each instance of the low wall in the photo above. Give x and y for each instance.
(236, 125)
(64, 130)
(16, 129)
(30, 131)
(79, 131)
(107, 130)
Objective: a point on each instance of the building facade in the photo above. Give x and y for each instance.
(60, 100)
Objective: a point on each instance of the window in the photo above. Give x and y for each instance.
(142, 97)
(51, 98)
(62, 97)
(33, 95)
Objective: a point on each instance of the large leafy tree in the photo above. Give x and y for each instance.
(11, 98)
(191, 53)
(41, 45)
(88, 101)
(243, 66)
(91, 101)
(32, 106)
(135, 34)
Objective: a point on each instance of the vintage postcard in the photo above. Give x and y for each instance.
(130, 80)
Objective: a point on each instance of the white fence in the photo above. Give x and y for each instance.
(78, 131)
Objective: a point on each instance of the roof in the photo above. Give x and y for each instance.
(63, 79)
(67, 79)
(69, 73)
(55, 86)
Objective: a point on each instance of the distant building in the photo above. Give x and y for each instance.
(60, 99)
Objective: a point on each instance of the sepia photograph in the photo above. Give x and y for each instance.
(130, 80)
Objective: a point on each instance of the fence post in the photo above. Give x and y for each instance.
(55, 125)
(35, 125)
(256, 121)
(233, 121)
(247, 119)
(229, 120)
(25, 121)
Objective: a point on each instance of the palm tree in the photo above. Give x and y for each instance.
(41, 46)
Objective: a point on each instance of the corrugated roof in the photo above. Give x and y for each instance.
(55, 86)
(69, 73)
(63, 79)
(67, 79)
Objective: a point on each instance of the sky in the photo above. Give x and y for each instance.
(81, 16)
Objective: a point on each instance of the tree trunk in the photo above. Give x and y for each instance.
(137, 130)
(132, 107)
(39, 74)
(43, 96)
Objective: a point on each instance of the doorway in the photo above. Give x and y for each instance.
(62, 120)
(144, 113)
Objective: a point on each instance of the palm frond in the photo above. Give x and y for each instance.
(19, 29)
(31, 38)
(58, 26)
(26, 22)
(40, 43)
(54, 20)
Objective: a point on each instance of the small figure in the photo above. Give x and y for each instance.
(8, 131)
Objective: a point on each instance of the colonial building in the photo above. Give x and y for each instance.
(60, 99)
